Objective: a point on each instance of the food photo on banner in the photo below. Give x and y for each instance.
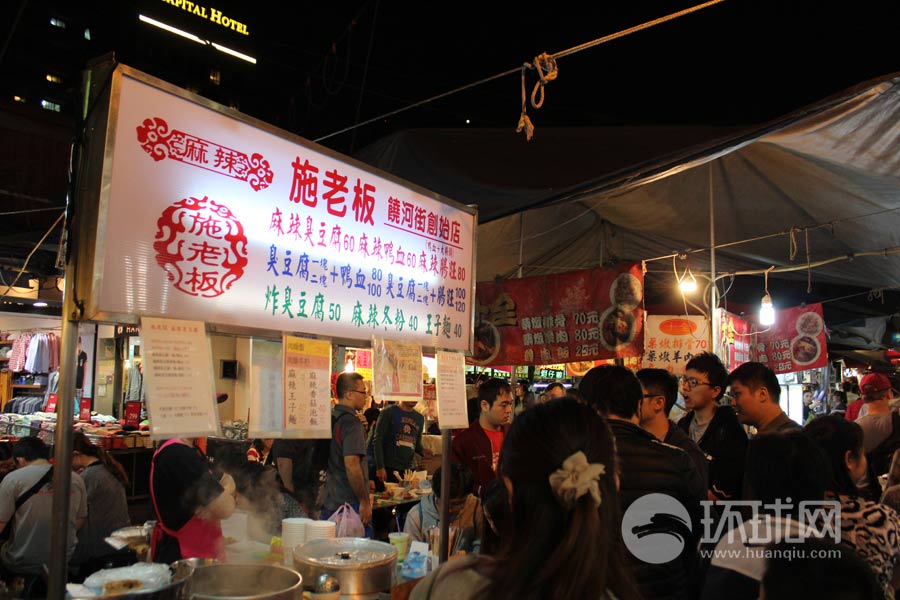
(568, 317)
(796, 342)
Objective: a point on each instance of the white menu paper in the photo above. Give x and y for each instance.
(307, 388)
(181, 395)
(266, 390)
(451, 390)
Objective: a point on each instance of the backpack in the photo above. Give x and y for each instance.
(322, 448)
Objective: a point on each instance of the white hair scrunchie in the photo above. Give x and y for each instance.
(576, 478)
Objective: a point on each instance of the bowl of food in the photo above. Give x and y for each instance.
(805, 349)
(617, 328)
(810, 323)
(626, 292)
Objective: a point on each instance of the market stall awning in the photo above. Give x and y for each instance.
(582, 197)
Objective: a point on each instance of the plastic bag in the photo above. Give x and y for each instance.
(347, 522)
(152, 575)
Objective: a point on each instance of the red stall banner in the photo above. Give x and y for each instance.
(52, 399)
(796, 342)
(578, 316)
(735, 339)
(133, 413)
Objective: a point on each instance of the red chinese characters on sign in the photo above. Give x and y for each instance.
(201, 246)
(580, 316)
(411, 217)
(305, 190)
(796, 342)
(160, 142)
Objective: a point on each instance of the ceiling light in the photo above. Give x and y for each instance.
(39, 304)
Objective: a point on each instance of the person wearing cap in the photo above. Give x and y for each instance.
(880, 425)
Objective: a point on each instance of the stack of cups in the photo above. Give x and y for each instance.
(320, 530)
(293, 533)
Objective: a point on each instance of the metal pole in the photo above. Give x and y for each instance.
(713, 333)
(446, 449)
(62, 455)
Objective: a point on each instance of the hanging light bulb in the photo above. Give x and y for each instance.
(766, 309)
(688, 283)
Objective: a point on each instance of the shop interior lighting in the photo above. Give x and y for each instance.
(194, 38)
(39, 304)
(766, 309)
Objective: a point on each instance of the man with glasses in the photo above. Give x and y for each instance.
(715, 428)
(347, 479)
(660, 392)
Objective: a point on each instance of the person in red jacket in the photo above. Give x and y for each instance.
(478, 447)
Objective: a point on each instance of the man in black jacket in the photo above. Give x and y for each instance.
(715, 428)
(648, 466)
(660, 392)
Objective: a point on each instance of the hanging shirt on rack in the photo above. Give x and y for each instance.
(135, 385)
(19, 352)
(37, 358)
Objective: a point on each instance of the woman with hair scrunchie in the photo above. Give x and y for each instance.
(564, 539)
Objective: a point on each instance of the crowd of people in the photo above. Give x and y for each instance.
(544, 492)
(558, 483)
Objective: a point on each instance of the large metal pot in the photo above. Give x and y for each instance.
(177, 589)
(362, 566)
(247, 581)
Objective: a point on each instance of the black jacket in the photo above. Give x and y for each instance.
(648, 466)
(725, 441)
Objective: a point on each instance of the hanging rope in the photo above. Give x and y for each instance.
(547, 71)
(524, 121)
(567, 52)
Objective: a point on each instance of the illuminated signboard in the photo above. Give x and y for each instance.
(213, 216)
(211, 14)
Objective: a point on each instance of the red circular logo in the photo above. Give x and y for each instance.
(201, 246)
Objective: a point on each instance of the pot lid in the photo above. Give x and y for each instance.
(349, 553)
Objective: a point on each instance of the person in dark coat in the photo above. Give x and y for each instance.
(714, 427)
(660, 392)
(478, 447)
(648, 466)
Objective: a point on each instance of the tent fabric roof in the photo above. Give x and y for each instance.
(582, 197)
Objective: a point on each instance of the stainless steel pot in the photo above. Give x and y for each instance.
(247, 582)
(362, 566)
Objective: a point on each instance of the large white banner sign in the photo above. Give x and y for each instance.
(210, 217)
